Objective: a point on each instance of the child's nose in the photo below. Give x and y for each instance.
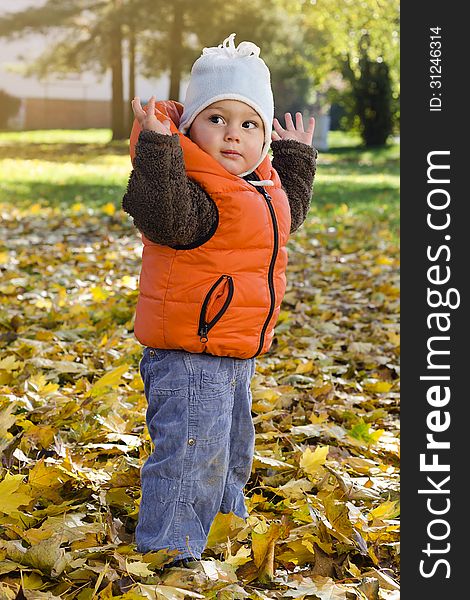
(232, 133)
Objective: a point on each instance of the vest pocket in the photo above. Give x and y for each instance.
(216, 303)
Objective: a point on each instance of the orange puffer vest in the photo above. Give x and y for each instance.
(224, 296)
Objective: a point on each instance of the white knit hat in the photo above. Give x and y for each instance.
(228, 73)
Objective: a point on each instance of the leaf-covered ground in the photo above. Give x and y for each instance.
(324, 493)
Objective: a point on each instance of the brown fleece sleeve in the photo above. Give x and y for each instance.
(166, 206)
(296, 164)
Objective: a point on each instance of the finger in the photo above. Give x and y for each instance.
(289, 122)
(311, 125)
(299, 123)
(150, 105)
(277, 126)
(275, 136)
(137, 107)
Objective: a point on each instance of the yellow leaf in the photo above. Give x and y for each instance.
(41, 476)
(62, 296)
(4, 258)
(263, 547)
(376, 435)
(294, 488)
(138, 568)
(39, 383)
(373, 555)
(42, 434)
(311, 462)
(11, 494)
(266, 394)
(109, 208)
(308, 541)
(223, 526)
(307, 367)
(32, 581)
(9, 363)
(242, 556)
(7, 419)
(394, 338)
(384, 260)
(355, 572)
(297, 553)
(265, 399)
(129, 282)
(386, 510)
(258, 525)
(112, 378)
(5, 378)
(99, 293)
(45, 336)
(378, 387)
(389, 290)
(316, 419)
(43, 303)
(284, 315)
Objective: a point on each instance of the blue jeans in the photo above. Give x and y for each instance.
(199, 420)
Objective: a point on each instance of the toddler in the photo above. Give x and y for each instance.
(215, 214)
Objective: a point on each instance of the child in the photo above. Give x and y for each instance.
(215, 216)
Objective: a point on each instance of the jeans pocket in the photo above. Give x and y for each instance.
(213, 404)
(166, 371)
(150, 356)
(214, 385)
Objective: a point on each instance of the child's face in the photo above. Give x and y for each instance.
(230, 125)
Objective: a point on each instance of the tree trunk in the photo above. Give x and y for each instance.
(130, 119)
(117, 102)
(176, 45)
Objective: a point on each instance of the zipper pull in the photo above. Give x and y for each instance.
(203, 334)
(265, 194)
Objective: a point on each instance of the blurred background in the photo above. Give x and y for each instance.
(76, 64)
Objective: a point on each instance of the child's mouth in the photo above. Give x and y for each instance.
(231, 153)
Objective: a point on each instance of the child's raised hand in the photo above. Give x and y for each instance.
(147, 120)
(294, 132)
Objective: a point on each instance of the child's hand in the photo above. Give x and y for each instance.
(147, 120)
(294, 132)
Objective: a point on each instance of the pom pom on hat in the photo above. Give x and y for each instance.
(226, 72)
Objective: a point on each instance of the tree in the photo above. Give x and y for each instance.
(90, 37)
(358, 40)
(372, 94)
(9, 106)
(167, 37)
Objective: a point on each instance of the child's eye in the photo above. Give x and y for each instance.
(212, 117)
(252, 123)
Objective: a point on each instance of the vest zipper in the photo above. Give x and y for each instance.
(204, 325)
(271, 266)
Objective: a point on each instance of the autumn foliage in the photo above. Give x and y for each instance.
(324, 493)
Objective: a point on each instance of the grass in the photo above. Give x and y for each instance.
(366, 180)
(62, 167)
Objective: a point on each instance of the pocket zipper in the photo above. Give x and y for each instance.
(204, 325)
